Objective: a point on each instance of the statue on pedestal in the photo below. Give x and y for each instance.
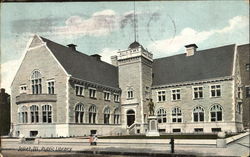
(152, 121)
(151, 107)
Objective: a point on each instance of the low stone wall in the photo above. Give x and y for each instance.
(122, 142)
(236, 137)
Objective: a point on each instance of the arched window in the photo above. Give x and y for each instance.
(106, 115)
(216, 113)
(162, 115)
(23, 114)
(34, 114)
(176, 115)
(79, 113)
(198, 114)
(36, 82)
(92, 114)
(117, 116)
(47, 113)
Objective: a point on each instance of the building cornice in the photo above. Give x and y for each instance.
(94, 85)
(198, 82)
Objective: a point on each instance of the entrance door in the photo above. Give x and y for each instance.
(130, 117)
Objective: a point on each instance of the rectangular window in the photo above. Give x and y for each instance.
(239, 93)
(36, 86)
(247, 92)
(176, 130)
(198, 92)
(198, 129)
(239, 106)
(176, 94)
(23, 88)
(51, 87)
(162, 130)
(213, 116)
(79, 90)
(216, 129)
(92, 93)
(130, 94)
(247, 67)
(161, 96)
(116, 98)
(106, 95)
(215, 91)
(196, 117)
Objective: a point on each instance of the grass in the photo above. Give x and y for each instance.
(176, 136)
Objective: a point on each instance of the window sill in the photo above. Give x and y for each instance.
(161, 101)
(107, 100)
(80, 95)
(93, 98)
(130, 98)
(198, 98)
(176, 100)
(215, 97)
(116, 101)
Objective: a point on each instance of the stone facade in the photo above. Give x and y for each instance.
(187, 104)
(244, 65)
(63, 101)
(135, 75)
(70, 106)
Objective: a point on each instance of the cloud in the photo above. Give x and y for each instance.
(8, 71)
(235, 23)
(100, 23)
(107, 53)
(34, 25)
(188, 36)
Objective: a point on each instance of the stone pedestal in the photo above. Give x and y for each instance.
(152, 126)
(221, 141)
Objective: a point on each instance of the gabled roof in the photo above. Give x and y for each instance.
(84, 67)
(204, 64)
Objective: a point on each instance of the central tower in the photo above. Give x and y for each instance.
(135, 80)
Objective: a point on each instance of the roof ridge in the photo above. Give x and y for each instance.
(197, 51)
(79, 52)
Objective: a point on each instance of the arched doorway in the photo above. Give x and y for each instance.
(130, 117)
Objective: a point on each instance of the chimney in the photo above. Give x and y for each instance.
(96, 56)
(191, 49)
(114, 61)
(72, 46)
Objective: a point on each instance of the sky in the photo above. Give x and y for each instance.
(163, 27)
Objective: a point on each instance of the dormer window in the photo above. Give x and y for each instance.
(36, 82)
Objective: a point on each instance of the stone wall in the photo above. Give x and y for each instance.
(187, 104)
(39, 58)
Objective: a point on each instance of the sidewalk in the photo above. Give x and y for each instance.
(236, 148)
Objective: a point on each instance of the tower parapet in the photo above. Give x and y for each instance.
(134, 50)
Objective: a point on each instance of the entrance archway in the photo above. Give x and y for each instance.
(130, 117)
